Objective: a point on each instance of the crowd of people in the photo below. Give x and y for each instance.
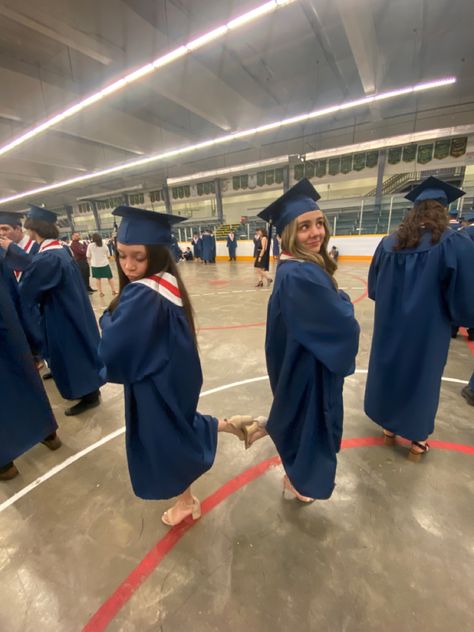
(420, 279)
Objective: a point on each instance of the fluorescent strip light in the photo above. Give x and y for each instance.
(231, 137)
(141, 72)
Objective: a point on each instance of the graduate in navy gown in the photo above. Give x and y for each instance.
(169, 444)
(65, 333)
(26, 416)
(22, 248)
(232, 245)
(311, 343)
(196, 243)
(421, 281)
(207, 247)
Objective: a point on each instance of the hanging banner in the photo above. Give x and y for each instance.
(371, 159)
(346, 164)
(334, 166)
(200, 188)
(458, 146)
(309, 169)
(279, 176)
(359, 162)
(394, 155)
(441, 149)
(236, 183)
(260, 178)
(409, 153)
(299, 172)
(270, 177)
(252, 181)
(244, 182)
(321, 168)
(425, 153)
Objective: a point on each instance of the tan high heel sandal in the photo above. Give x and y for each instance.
(180, 511)
(389, 438)
(414, 455)
(290, 491)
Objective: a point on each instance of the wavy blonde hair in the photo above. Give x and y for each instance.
(290, 244)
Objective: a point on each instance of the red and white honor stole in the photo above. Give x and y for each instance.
(49, 244)
(166, 285)
(26, 244)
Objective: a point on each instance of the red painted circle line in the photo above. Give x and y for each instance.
(112, 606)
(356, 300)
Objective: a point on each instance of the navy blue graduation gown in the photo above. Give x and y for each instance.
(197, 248)
(169, 444)
(66, 332)
(311, 343)
(207, 248)
(469, 231)
(25, 417)
(232, 245)
(419, 293)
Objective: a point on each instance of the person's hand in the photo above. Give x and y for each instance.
(5, 242)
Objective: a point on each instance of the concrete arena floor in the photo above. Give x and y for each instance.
(392, 550)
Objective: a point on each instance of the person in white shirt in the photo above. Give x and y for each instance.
(98, 258)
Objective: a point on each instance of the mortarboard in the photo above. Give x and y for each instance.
(139, 226)
(453, 212)
(301, 198)
(38, 212)
(12, 219)
(434, 189)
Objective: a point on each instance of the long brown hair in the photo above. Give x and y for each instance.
(428, 214)
(159, 259)
(290, 244)
(97, 239)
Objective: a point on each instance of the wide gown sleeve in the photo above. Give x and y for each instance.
(320, 318)
(136, 337)
(373, 271)
(457, 279)
(42, 276)
(17, 258)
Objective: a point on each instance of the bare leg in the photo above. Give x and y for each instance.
(99, 287)
(112, 286)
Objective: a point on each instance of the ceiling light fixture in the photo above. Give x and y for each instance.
(160, 62)
(172, 153)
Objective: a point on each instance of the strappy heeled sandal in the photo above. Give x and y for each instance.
(389, 437)
(415, 455)
(290, 491)
(180, 511)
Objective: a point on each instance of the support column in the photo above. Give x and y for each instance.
(70, 218)
(219, 208)
(166, 198)
(286, 178)
(380, 172)
(95, 213)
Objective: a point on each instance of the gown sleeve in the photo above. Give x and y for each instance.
(373, 271)
(139, 324)
(457, 279)
(17, 258)
(42, 276)
(320, 319)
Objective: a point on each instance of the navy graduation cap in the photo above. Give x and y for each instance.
(434, 189)
(41, 213)
(12, 219)
(301, 198)
(139, 226)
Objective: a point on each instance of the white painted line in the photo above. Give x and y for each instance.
(75, 457)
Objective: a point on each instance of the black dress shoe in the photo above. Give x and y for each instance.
(8, 471)
(90, 289)
(48, 375)
(88, 401)
(52, 441)
(468, 395)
